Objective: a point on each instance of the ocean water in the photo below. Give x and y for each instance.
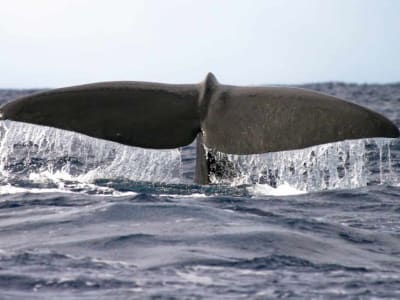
(82, 218)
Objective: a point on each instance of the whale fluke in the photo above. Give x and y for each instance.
(229, 119)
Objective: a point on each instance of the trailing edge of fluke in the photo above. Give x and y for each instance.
(226, 118)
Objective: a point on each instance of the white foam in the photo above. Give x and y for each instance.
(83, 189)
(194, 195)
(195, 278)
(9, 189)
(284, 189)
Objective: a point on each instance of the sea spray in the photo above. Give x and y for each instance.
(42, 154)
(28, 150)
(341, 165)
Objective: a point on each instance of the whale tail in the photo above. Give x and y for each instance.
(229, 119)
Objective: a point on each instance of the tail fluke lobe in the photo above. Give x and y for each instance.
(250, 120)
(131, 113)
(253, 120)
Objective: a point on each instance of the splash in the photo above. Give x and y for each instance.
(33, 156)
(40, 154)
(342, 165)
(266, 190)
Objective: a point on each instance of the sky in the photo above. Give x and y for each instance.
(48, 44)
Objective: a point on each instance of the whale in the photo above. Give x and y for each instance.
(225, 118)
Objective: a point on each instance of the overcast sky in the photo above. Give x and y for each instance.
(53, 43)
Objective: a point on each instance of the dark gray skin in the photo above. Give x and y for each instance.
(149, 115)
(229, 119)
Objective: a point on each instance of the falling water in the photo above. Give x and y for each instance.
(340, 165)
(29, 150)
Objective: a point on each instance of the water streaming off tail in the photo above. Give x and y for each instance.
(27, 149)
(30, 152)
(341, 165)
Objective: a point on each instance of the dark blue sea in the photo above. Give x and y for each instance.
(82, 218)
